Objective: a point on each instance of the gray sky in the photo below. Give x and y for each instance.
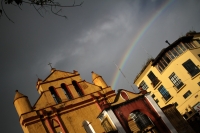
(92, 38)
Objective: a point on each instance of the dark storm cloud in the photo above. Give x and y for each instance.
(92, 38)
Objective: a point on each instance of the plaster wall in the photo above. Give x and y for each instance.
(190, 83)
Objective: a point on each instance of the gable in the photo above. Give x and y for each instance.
(57, 74)
(88, 87)
(42, 101)
(124, 95)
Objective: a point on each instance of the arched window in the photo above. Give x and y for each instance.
(56, 126)
(66, 91)
(77, 88)
(54, 95)
(88, 127)
(141, 120)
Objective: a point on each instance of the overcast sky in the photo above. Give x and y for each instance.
(93, 38)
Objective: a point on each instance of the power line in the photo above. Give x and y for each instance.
(124, 76)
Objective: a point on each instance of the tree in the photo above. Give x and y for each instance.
(48, 5)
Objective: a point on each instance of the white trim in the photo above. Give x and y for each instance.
(126, 95)
(115, 121)
(160, 113)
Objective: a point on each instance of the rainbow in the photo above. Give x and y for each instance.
(137, 38)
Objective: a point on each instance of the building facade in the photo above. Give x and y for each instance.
(173, 77)
(138, 113)
(68, 104)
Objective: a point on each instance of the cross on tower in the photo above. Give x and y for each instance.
(50, 65)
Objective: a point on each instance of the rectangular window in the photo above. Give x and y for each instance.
(153, 96)
(170, 55)
(177, 48)
(166, 59)
(191, 67)
(176, 104)
(163, 62)
(174, 53)
(144, 85)
(192, 45)
(187, 94)
(198, 83)
(159, 68)
(153, 78)
(189, 45)
(164, 92)
(182, 47)
(176, 81)
(161, 65)
(156, 100)
(186, 45)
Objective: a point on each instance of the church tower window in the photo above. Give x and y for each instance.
(66, 91)
(77, 88)
(54, 95)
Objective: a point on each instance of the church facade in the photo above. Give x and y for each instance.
(66, 104)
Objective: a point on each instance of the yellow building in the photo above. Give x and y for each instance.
(173, 77)
(67, 104)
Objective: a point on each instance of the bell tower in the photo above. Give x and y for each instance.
(98, 80)
(21, 103)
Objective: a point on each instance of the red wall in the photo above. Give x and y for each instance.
(141, 104)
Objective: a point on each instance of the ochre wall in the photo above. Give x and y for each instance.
(70, 113)
(123, 111)
(190, 83)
